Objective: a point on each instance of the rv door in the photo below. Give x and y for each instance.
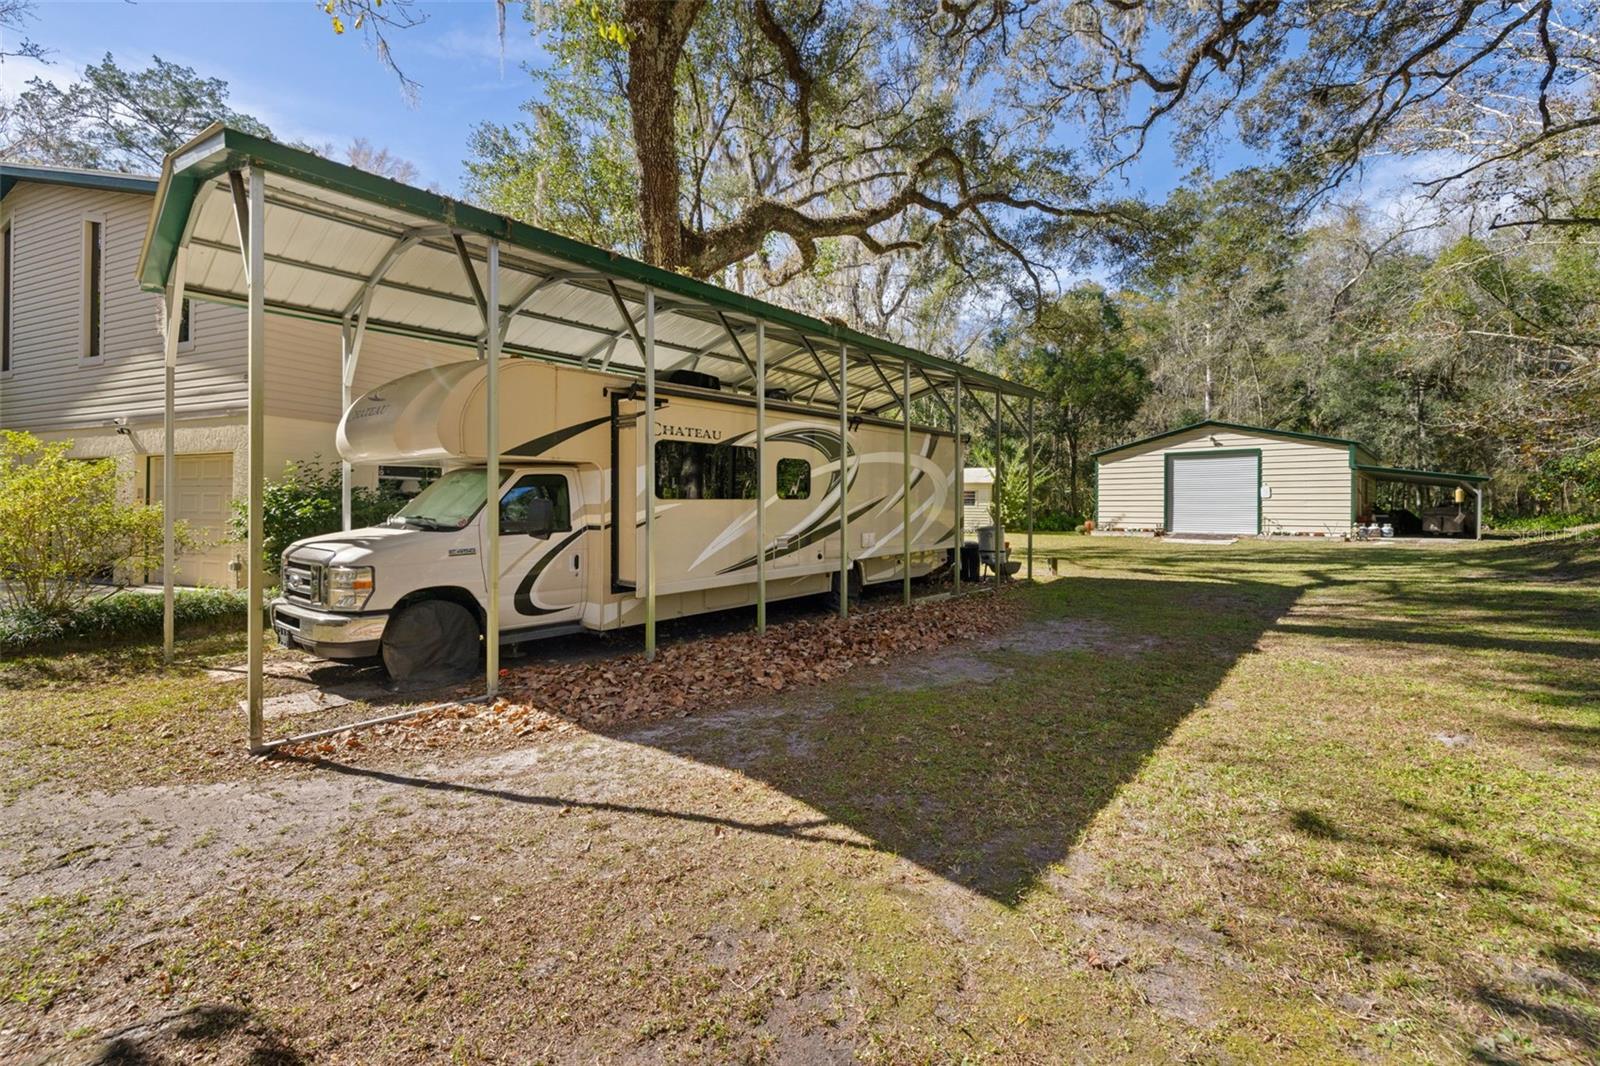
(543, 550)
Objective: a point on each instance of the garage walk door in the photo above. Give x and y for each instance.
(205, 488)
(1214, 493)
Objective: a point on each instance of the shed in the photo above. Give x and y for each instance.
(1214, 478)
(977, 497)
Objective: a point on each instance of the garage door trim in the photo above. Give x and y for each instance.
(1172, 457)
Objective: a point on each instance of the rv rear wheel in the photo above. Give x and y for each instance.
(855, 590)
(434, 638)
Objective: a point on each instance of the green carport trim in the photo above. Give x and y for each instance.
(1355, 486)
(220, 149)
(1421, 477)
(1235, 426)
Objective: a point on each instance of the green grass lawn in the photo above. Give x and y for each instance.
(1268, 802)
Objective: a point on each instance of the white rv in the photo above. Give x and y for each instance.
(571, 501)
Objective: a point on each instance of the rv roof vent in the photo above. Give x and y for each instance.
(695, 378)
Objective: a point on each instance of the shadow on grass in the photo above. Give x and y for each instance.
(988, 768)
(986, 782)
(983, 782)
(178, 1036)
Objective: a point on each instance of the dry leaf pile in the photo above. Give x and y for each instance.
(550, 699)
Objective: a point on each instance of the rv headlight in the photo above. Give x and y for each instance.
(348, 587)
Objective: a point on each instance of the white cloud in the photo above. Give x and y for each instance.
(485, 45)
(17, 71)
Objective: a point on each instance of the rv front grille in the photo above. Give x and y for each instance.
(303, 581)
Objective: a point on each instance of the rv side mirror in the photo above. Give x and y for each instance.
(537, 518)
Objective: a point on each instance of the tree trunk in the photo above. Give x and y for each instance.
(1072, 475)
(657, 30)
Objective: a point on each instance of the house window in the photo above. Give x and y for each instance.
(184, 336)
(969, 497)
(690, 470)
(93, 287)
(794, 479)
(5, 299)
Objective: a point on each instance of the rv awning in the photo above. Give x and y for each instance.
(1422, 477)
(338, 239)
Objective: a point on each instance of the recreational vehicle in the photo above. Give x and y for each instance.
(571, 498)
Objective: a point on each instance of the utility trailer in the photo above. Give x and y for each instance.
(571, 513)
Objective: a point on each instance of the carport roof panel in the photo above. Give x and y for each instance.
(329, 226)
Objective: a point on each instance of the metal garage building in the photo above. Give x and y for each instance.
(1215, 478)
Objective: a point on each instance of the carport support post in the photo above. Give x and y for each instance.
(169, 460)
(761, 477)
(998, 498)
(905, 481)
(1477, 529)
(256, 347)
(1030, 488)
(961, 513)
(491, 381)
(649, 486)
(844, 487)
(345, 356)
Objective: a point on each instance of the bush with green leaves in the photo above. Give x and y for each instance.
(1539, 523)
(305, 502)
(121, 616)
(63, 531)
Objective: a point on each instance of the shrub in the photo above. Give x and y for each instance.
(1542, 523)
(118, 617)
(62, 528)
(305, 502)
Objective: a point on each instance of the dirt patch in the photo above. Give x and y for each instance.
(1064, 634)
(1177, 992)
(961, 668)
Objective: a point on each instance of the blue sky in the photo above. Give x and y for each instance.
(285, 66)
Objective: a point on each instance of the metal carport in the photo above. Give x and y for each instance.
(1472, 483)
(241, 220)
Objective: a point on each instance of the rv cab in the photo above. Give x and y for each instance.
(342, 591)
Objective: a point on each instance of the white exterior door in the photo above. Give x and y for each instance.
(1211, 493)
(205, 490)
(542, 579)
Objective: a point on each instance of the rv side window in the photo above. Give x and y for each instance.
(691, 470)
(552, 487)
(794, 479)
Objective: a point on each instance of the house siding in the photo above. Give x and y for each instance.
(1309, 482)
(52, 391)
(52, 388)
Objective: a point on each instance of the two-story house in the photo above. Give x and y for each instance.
(81, 357)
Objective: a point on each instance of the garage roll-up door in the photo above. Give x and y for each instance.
(1214, 493)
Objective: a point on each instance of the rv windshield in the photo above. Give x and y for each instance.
(449, 503)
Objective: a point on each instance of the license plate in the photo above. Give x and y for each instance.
(285, 638)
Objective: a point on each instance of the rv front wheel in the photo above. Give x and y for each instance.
(434, 638)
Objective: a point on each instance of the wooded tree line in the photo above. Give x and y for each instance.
(1450, 345)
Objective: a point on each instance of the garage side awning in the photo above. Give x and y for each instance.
(1441, 478)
